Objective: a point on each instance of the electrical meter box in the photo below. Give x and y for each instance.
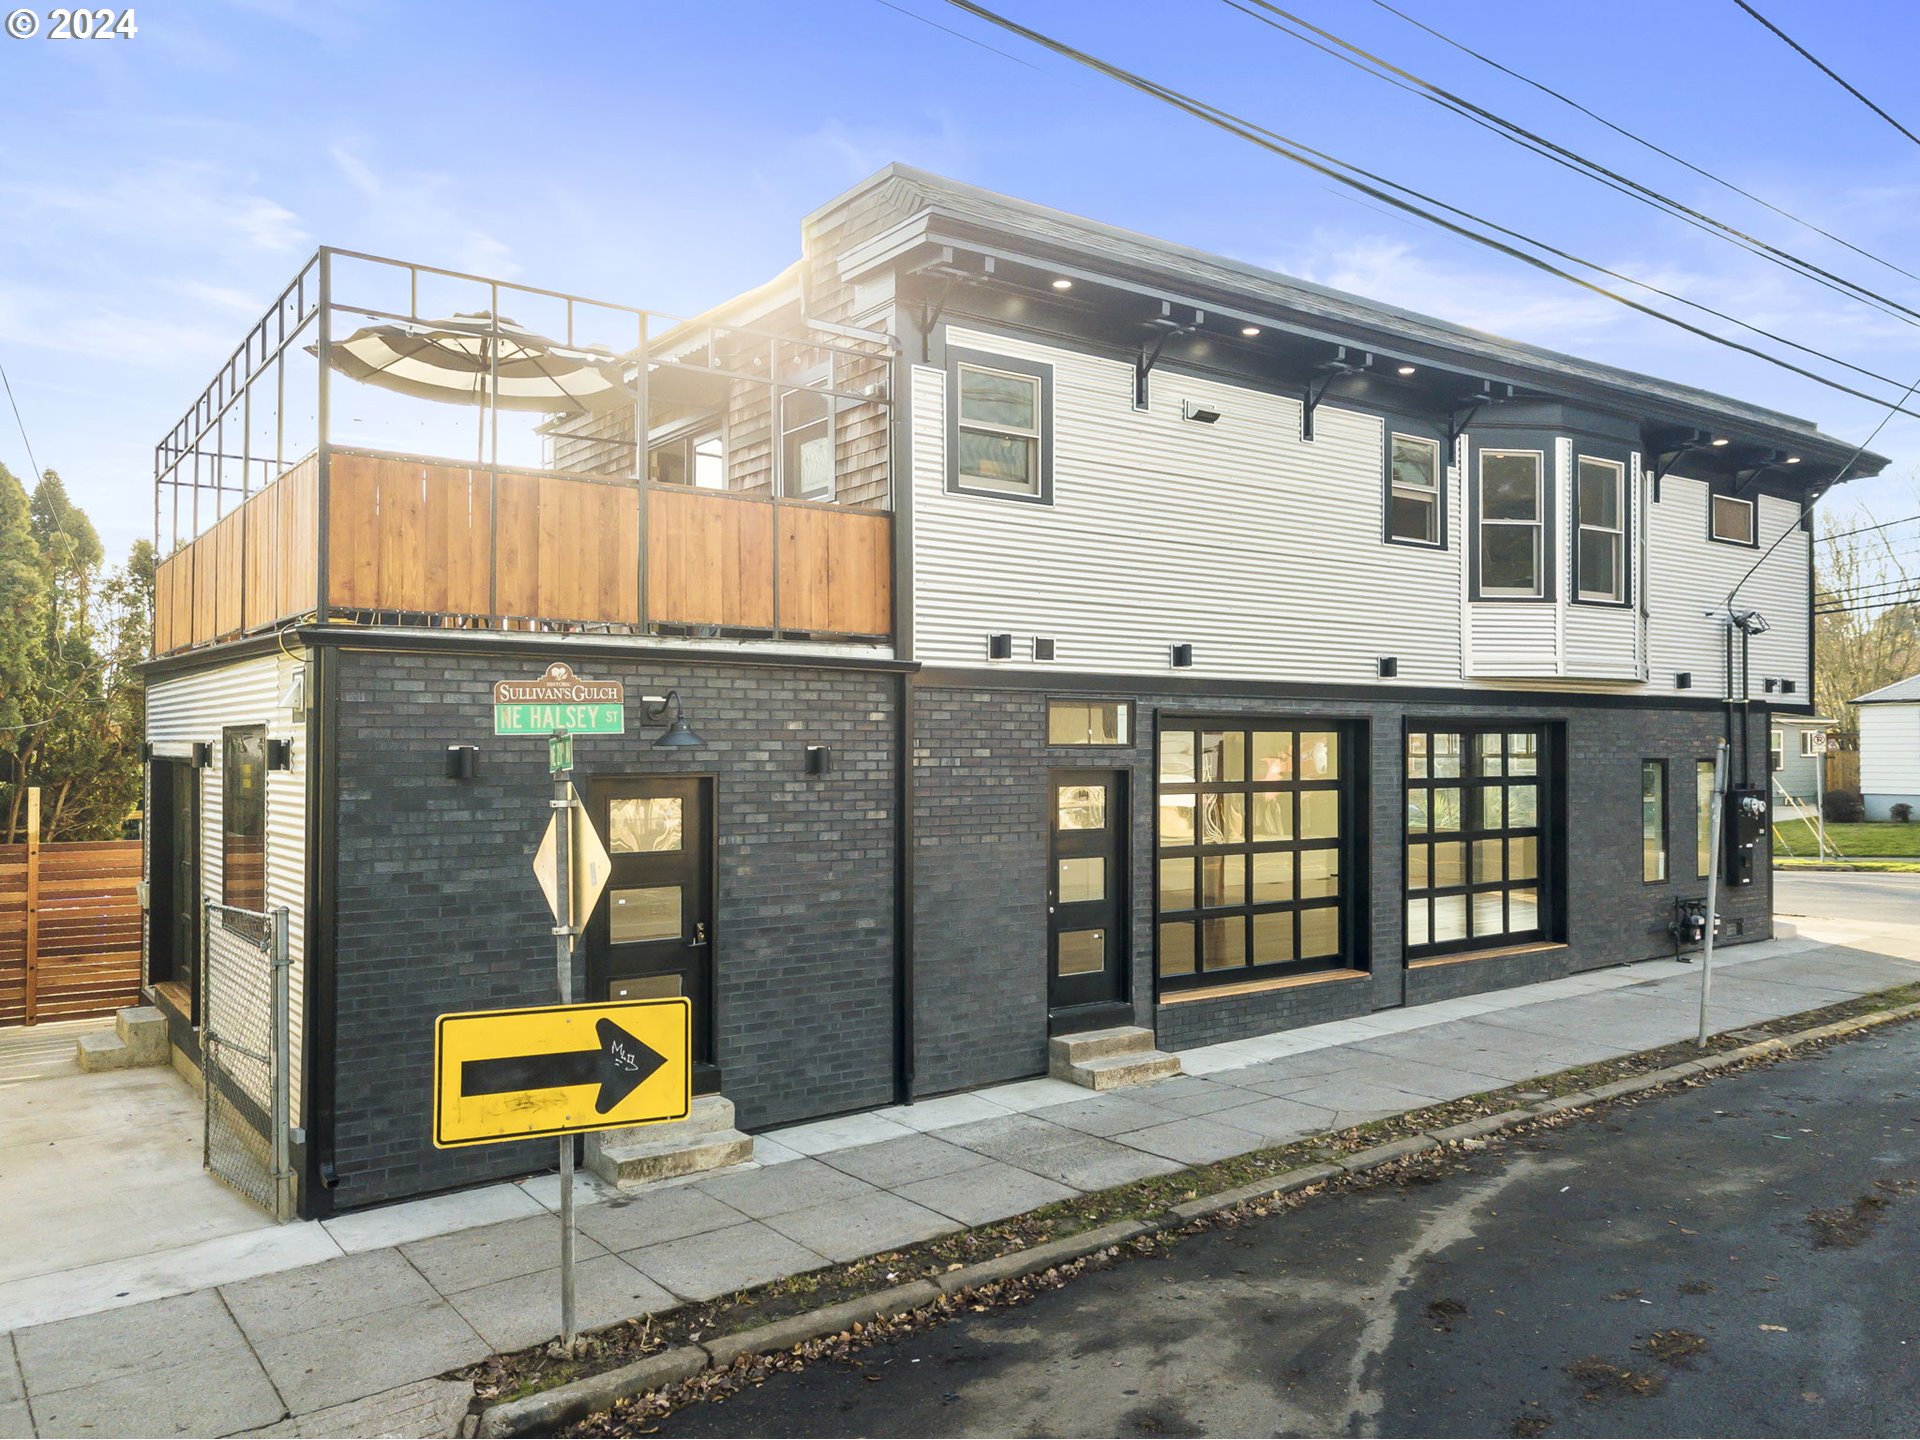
(1746, 831)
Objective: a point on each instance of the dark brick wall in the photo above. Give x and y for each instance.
(438, 909)
(981, 853)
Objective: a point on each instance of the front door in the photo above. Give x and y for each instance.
(653, 934)
(1087, 894)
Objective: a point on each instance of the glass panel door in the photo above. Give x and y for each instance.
(1086, 888)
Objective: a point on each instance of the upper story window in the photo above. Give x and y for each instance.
(999, 437)
(1601, 562)
(1512, 524)
(1731, 520)
(698, 458)
(806, 446)
(1413, 490)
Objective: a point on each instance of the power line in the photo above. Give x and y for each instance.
(1332, 167)
(1868, 529)
(960, 34)
(1578, 163)
(1641, 140)
(21, 423)
(1827, 70)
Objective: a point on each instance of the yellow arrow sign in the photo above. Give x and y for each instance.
(587, 859)
(560, 1070)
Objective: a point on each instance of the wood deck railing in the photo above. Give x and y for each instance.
(525, 549)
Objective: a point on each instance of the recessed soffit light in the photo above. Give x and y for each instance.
(1063, 283)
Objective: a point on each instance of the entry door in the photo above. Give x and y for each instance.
(653, 933)
(1087, 888)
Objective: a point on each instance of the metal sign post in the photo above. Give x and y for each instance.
(560, 753)
(1713, 881)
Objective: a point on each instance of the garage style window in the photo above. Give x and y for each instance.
(998, 436)
(1732, 520)
(1413, 490)
(243, 811)
(1601, 564)
(1089, 722)
(1512, 525)
(1255, 843)
(1476, 827)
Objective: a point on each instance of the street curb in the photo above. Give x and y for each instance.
(548, 1410)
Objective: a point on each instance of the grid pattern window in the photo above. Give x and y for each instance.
(1601, 562)
(1702, 817)
(243, 812)
(1254, 852)
(1413, 490)
(1475, 837)
(1653, 820)
(1089, 722)
(1512, 525)
(999, 431)
(1732, 520)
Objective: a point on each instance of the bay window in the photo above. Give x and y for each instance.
(1512, 525)
(1600, 562)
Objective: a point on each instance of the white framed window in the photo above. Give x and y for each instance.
(1600, 555)
(1813, 743)
(1000, 416)
(1777, 752)
(1731, 520)
(1413, 490)
(1512, 525)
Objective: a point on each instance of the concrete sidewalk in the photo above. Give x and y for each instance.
(349, 1344)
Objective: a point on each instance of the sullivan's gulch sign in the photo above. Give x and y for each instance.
(559, 700)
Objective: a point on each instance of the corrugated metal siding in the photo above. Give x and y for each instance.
(1265, 553)
(197, 707)
(1890, 749)
(1163, 531)
(1688, 585)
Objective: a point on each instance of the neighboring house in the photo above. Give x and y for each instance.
(1797, 748)
(1890, 747)
(1081, 631)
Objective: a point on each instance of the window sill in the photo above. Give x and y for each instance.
(1259, 987)
(1502, 952)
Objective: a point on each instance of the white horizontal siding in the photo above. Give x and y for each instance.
(197, 707)
(1687, 593)
(1890, 749)
(1264, 552)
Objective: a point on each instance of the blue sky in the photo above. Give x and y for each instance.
(158, 191)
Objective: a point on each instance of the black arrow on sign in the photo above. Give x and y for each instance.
(618, 1066)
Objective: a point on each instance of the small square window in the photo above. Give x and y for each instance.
(1732, 520)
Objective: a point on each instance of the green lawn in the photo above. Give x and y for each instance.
(1795, 837)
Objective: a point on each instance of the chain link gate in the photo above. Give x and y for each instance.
(244, 1053)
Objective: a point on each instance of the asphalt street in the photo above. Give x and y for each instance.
(1733, 1259)
(1825, 894)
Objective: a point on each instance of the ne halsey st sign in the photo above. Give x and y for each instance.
(560, 1070)
(559, 700)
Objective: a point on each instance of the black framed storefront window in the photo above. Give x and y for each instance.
(1478, 864)
(1256, 838)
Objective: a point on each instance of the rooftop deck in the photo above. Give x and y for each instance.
(757, 506)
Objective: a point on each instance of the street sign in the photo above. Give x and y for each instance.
(559, 700)
(560, 1070)
(588, 862)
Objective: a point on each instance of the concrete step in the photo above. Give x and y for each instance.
(139, 1038)
(705, 1140)
(1116, 1072)
(1088, 1045)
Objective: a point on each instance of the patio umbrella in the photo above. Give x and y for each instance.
(470, 357)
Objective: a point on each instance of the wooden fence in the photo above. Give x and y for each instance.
(69, 929)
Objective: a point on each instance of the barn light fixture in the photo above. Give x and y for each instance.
(678, 735)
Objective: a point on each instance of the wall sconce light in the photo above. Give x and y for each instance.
(1389, 666)
(202, 754)
(462, 760)
(819, 759)
(293, 695)
(678, 735)
(1183, 657)
(1043, 647)
(1200, 414)
(1683, 680)
(279, 754)
(1000, 647)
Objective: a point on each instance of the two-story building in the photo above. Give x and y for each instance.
(1078, 630)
